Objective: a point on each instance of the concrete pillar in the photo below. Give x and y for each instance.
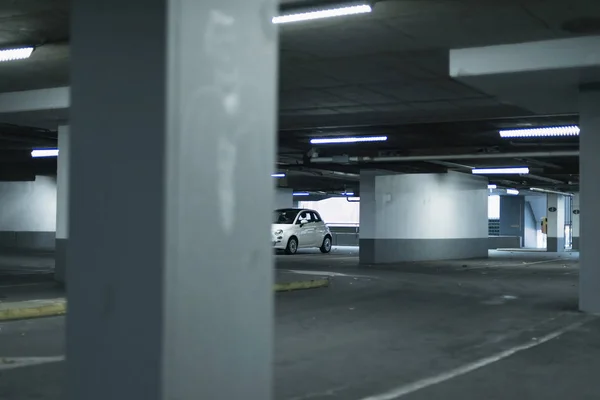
(422, 217)
(575, 222)
(556, 223)
(174, 104)
(589, 193)
(62, 204)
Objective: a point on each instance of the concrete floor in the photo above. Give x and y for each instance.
(435, 330)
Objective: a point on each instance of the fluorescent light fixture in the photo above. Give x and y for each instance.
(301, 194)
(44, 153)
(15, 54)
(492, 186)
(491, 171)
(320, 14)
(278, 175)
(533, 189)
(348, 194)
(348, 139)
(550, 131)
(512, 191)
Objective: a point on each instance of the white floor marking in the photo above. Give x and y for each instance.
(523, 264)
(326, 273)
(20, 362)
(403, 390)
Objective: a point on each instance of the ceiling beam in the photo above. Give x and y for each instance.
(35, 100)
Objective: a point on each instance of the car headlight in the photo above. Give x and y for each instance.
(278, 231)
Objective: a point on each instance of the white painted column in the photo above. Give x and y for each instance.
(575, 222)
(62, 204)
(556, 223)
(589, 190)
(174, 105)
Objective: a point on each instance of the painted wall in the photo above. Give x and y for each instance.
(423, 217)
(284, 198)
(335, 210)
(535, 210)
(28, 214)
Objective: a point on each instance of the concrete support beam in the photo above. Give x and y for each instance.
(173, 113)
(543, 76)
(575, 223)
(35, 100)
(418, 217)
(579, 52)
(62, 204)
(589, 167)
(556, 223)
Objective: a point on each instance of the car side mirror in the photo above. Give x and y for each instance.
(303, 222)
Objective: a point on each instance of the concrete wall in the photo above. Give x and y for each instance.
(423, 217)
(512, 216)
(28, 214)
(535, 210)
(284, 198)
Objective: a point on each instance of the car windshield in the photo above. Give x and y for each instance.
(286, 216)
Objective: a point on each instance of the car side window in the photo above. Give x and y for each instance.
(316, 217)
(305, 215)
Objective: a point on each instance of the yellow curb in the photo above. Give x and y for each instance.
(48, 309)
(301, 285)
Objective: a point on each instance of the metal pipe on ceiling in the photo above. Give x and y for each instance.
(543, 179)
(441, 157)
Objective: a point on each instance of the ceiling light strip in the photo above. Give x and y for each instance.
(500, 171)
(320, 14)
(44, 153)
(15, 54)
(550, 131)
(348, 139)
(514, 192)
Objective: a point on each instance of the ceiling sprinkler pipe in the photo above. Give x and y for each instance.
(544, 179)
(441, 157)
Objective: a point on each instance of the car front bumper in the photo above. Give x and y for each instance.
(278, 242)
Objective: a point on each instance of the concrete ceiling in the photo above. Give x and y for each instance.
(387, 70)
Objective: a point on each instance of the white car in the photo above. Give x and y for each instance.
(295, 228)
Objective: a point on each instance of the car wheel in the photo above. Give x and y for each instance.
(326, 246)
(292, 246)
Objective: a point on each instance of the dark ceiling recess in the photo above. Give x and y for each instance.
(583, 26)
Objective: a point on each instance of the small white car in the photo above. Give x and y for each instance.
(295, 228)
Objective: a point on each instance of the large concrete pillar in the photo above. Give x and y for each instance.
(556, 223)
(589, 193)
(575, 227)
(174, 103)
(422, 217)
(62, 204)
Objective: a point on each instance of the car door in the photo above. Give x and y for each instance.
(320, 228)
(306, 232)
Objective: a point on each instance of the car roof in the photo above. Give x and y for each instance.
(294, 209)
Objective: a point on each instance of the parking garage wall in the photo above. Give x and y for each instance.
(423, 217)
(284, 198)
(28, 214)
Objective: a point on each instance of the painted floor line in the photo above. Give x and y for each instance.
(518, 265)
(404, 390)
(324, 273)
(20, 362)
